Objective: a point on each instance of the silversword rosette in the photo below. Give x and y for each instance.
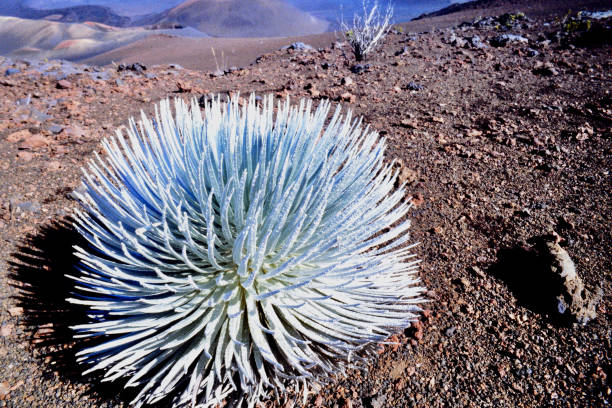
(240, 250)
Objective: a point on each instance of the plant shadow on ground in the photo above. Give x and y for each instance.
(38, 271)
(528, 277)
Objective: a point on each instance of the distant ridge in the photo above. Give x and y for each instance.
(75, 14)
(80, 14)
(239, 18)
(458, 7)
(533, 7)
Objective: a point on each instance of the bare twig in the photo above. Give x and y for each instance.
(368, 29)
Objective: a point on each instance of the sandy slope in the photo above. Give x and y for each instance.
(41, 38)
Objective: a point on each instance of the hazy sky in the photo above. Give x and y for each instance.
(326, 9)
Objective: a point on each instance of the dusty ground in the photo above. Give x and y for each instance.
(205, 54)
(500, 147)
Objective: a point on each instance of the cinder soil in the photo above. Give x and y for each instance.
(499, 147)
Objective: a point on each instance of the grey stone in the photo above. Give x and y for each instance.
(532, 53)
(476, 42)
(300, 46)
(55, 128)
(453, 39)
(403, 51)
(135, 67)
(503, 39)
(31, 206)
(38, 115)
(360, 68)
(413, 86)
(377, 401)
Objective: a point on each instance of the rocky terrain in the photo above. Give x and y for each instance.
(502, 128)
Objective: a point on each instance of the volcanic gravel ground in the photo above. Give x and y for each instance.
(499, 146)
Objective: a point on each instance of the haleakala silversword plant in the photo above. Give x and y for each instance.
(240, 251)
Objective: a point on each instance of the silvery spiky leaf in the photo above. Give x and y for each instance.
(240, 250)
